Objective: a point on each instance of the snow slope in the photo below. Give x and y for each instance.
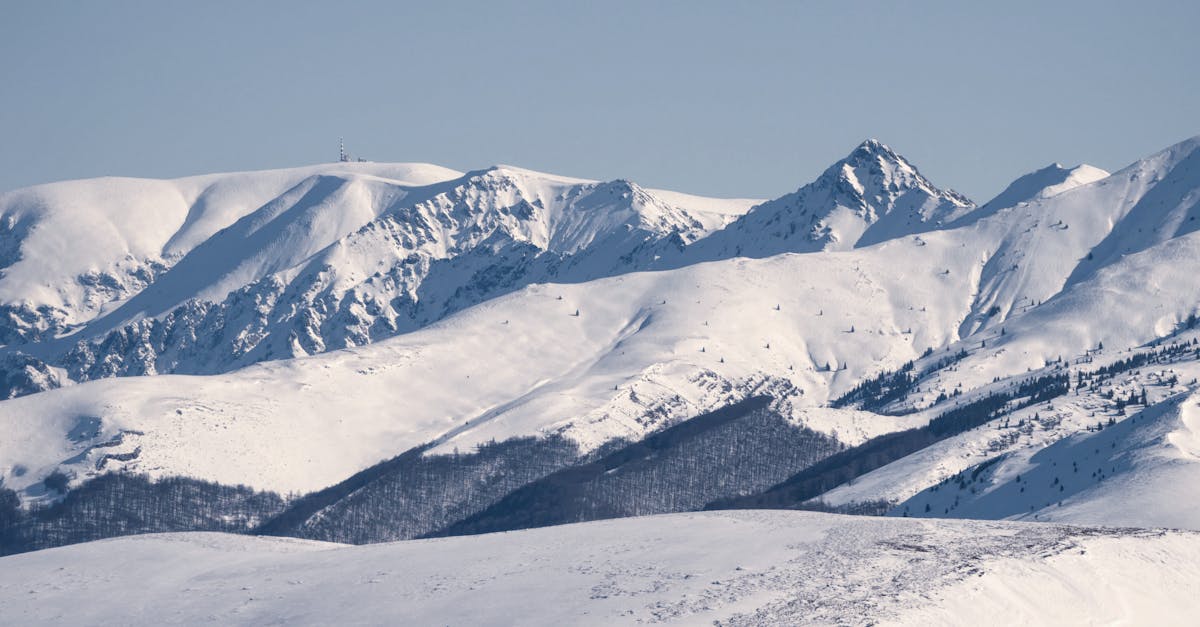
(644, 351)
(1143, 471)
(1080, 458)
(732, 567)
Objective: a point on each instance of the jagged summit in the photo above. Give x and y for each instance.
(871, 195)
(870, 149)
(874, 154)
(876, 172)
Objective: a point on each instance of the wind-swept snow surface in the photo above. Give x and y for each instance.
(733, 568)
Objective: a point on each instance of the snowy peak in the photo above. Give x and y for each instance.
(873, 177)
(1047, 182)
(871, 195)
(1066, 179)
(875, 155)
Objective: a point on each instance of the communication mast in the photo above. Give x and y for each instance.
(342, 156)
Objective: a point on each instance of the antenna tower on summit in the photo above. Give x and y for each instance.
(342, 156)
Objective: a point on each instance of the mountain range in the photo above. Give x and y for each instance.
(361, 352)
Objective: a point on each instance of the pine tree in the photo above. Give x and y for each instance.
(57, 481)
(10, 508)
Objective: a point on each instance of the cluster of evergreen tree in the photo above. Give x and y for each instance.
(856, 508)
(117, 504)
(877, 392)
(739, 449)
(415, 494)
(1171, 353)
(964, 480)
(1132, 399)
(1043, 388)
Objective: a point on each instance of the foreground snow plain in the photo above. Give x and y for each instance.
(734, 567)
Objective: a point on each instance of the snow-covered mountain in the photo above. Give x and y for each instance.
(73, 249)
(336, 257)
(870, 196)
(304, 261)
(481, 307)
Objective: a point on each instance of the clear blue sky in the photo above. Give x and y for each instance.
(732, 99)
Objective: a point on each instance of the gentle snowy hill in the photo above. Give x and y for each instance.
(738, 568)
(1049, 181)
